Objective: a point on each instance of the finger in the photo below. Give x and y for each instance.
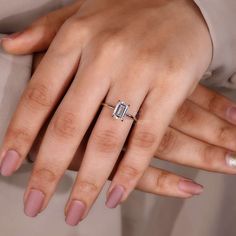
(38, 36)
(76, 162)
(174, 147)
(67, 129)
(38, 100)
(154, 180)
(156, 112)
(199, 123)
(105, 143)
(161, 182)
(215, 103)
(184, 150)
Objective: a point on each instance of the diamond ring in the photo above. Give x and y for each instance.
(120, 110)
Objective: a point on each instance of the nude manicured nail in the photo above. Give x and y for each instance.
(9, 163)
(231, 113)
(115, 196)
(11, 36)
(190, 187)
(34, 203)
(231, 159)
(75, 212)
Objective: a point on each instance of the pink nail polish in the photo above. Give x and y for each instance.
(190, 187)
(11, 36)
(75, 212)
(115, 196)
(231, 114)
(9, 163)
(34, 203)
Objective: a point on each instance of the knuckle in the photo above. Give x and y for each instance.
(224, 135)
(213, 102)
(162, 180)
(208, 155)
(70, 24)
(174, 65)
(64, 125)
(75, 25)
(21, 137)
(44, 175)
(146, 55)
(48, 25)
(185, 113)
(167, 143)
(110, 44)
(128, 172)
(114, 43)
(106, 141)
(86, 187)
(144, 139)
(38, 96)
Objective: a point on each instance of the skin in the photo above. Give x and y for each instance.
(154, 70)
(183, 136)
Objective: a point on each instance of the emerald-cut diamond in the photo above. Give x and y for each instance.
(120, 110)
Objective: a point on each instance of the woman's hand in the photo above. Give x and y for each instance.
(182, 145)
(150, 54)
(203, 126)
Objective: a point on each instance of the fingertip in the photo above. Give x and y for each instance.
(33, 39)
(190, 187)
(10, 43)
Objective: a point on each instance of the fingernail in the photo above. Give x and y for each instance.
(34, 203)
(75, 212)
(190, 187)
(9, 163)
(231, 113)
(115, 196)
(11, 36)
(231, 159)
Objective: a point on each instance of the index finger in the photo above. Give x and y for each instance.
(41, 96)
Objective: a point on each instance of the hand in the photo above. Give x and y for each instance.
(209, 150)
(203, 110)
(121, 57)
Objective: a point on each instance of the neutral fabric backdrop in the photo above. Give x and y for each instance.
(211, 214)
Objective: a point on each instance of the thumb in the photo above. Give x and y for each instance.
(40, 34)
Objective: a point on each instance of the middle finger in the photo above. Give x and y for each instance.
(106, 142)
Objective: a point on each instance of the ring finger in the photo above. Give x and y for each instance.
(106, 142)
